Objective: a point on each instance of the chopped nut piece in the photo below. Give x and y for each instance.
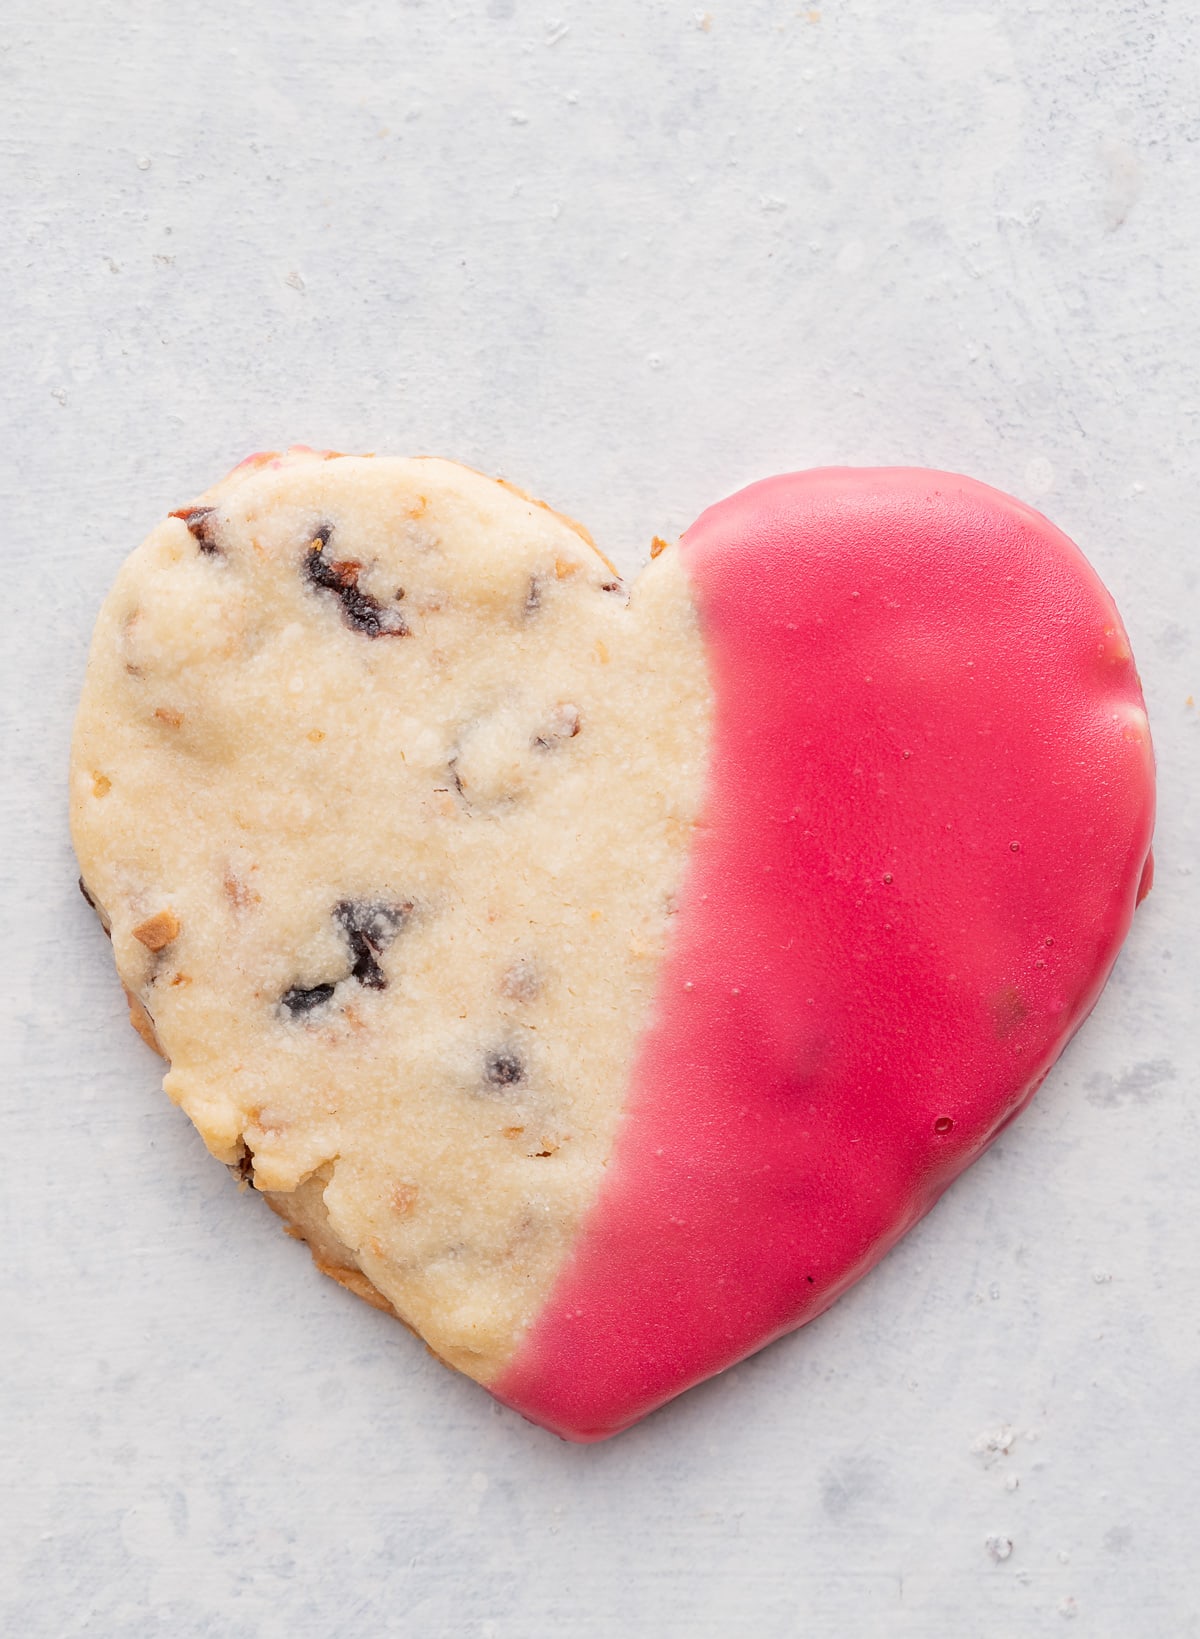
(240, 894)
(658, 545)
(404, 1199)
(157, 931)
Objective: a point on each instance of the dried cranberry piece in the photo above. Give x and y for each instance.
(299, 1000)
(504, 1068)
(370, 926)
(202, 528)
(361, 612)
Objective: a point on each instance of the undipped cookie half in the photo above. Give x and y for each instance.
(603, 981)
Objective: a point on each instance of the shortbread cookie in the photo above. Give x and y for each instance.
(602, 981)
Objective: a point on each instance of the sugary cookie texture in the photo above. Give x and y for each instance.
(602, 981)
(384, 785)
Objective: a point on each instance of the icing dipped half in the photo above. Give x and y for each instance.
(925, 826)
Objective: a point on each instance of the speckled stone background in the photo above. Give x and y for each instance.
(631, 255)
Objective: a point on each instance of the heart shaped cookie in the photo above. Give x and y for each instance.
(603, 981)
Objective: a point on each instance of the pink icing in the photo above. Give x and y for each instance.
(928, 814)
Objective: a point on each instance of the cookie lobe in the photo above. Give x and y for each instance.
(343, 790)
